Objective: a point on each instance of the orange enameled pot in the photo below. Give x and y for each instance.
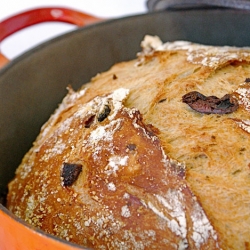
(16, 235)
(32, 85)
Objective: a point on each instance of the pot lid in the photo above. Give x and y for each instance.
(154, 5)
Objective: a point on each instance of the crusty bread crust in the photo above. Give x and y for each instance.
(154, 172)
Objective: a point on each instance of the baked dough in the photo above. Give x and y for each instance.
(125, 163)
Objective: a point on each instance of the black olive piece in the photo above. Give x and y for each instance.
(211, 104)
(70, 173)
(104, 114)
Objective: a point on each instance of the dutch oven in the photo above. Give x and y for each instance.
(32, 85)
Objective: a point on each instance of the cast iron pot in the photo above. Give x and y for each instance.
(32, 85)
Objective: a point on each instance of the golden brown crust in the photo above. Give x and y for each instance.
(131, 190)
(128, 194)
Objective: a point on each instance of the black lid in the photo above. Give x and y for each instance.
(154, 5)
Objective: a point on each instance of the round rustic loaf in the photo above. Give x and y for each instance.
(152, 154)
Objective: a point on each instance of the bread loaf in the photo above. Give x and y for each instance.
(152, 154)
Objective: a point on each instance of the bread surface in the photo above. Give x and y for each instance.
(125, 163)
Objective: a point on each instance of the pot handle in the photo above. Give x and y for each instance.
(39, 15)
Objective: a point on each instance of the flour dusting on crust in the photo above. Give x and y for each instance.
(129, 193)
(205, 55)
